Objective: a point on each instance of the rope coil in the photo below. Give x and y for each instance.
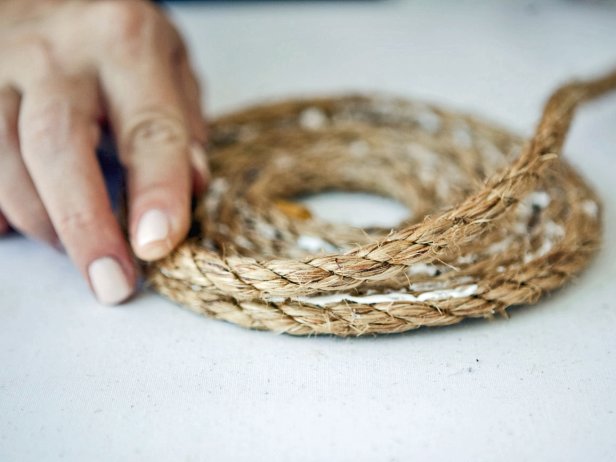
(526, 225)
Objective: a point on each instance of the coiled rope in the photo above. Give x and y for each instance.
(524, 222)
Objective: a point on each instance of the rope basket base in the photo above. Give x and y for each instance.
(495, 220)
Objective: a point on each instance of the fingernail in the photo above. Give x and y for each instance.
(198, 159)
(108, 281)
(153, 227)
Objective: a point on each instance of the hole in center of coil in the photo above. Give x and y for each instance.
(358, 209)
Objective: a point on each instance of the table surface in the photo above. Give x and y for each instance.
(150, 381)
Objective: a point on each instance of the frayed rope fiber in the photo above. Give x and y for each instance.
(496, 220)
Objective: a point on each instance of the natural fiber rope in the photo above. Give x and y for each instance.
(527, 224)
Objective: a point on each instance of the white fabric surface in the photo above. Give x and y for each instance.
(152, 382)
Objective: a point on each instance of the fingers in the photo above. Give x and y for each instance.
(49, 178)
(19, 200)
(154, 138)
(58, 134)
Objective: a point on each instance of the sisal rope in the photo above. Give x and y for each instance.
(524, 223)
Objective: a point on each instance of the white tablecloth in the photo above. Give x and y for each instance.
(152, 382)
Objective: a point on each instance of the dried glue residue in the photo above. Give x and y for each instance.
(467, 259)
(324, 300)
(533, 202)
(462, 135)
(217, 189)
(428, 269)
(428, 121)
(500, 246)
(312, 118)
(553, 230)
(540, 199)
(552, 233)
(590, 208)
(425, 286)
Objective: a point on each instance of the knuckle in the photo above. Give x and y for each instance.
(76, 222)
(39, 53)
(156, 129)
(56, 125)
(128, 21)
(51, 120)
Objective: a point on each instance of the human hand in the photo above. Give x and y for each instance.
(66, 68)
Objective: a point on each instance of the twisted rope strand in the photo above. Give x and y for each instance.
(528, 229)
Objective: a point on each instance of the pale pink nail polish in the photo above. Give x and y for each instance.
(153, 227)
(109, 281)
